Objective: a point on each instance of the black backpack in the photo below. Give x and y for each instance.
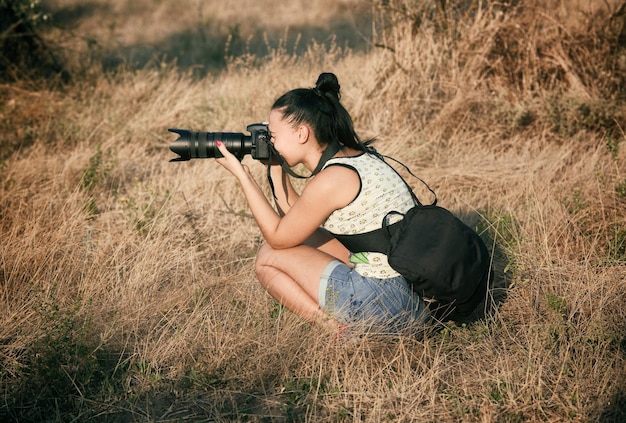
(440, 256)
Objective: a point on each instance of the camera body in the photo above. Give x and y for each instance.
(202, 145)
(260, 141)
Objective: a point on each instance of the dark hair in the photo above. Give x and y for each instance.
(320, 107)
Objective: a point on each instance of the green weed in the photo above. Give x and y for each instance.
(501, 226)
(567, 116)
(556, 303)
(144, 207)
(300, 394)
(620, 189)
(612, 144)
(100, 165)
(617, 244)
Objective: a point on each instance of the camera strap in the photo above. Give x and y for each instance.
(328, 153)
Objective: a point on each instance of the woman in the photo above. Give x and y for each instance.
(301, 264)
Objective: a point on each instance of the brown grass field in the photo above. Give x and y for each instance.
(127, 285)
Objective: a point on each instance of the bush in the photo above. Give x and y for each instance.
(23, 52)
(516, 65)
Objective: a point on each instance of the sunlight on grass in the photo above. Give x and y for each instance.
(127, 282)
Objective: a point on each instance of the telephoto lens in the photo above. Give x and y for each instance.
(202, 145)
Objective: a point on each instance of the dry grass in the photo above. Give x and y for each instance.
(127, 283)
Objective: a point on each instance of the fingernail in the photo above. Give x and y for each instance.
(219, 143)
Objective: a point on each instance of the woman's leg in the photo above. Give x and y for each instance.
(292, 275)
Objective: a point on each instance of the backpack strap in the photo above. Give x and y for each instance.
(378, 239)
(372, 241)
(417, 201)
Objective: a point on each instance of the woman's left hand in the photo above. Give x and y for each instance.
(230, 162)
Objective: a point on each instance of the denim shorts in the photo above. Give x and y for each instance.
(376, 305)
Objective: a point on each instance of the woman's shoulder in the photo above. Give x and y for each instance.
(360, 161)
(335, 185)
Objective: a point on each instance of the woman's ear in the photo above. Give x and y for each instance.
(303, 133)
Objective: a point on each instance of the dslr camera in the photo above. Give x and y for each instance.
(202, 145)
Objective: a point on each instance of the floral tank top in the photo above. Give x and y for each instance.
(382, 190)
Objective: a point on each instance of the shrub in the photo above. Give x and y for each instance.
(23, 52)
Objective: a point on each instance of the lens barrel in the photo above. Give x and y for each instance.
(202, 145)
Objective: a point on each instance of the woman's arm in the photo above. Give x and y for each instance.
(318, 200)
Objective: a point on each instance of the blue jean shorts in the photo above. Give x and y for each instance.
(377, 305)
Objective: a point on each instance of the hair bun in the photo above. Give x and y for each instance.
(327, 83)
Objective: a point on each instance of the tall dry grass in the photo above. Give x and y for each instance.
(128, 290)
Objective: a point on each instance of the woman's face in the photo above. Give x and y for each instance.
(284, 137)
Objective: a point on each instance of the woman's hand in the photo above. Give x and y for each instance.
(231, 163)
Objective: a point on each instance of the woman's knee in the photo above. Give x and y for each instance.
(263, 258)
(265, 266)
